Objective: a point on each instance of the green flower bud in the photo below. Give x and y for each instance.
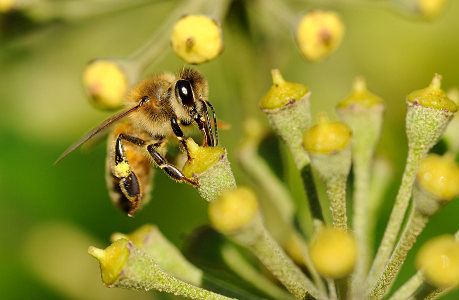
(429, 111)
(211, 168)
(319, 34)
(197, 39)
(112, 260)
(438, 260)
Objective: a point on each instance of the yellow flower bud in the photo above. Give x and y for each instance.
(433, 97)
(112, 260)
(105, 83)
(326, 136)
(439, 175)
(282, 92)
(6, 5)
(233, 210)
(197, 39)
(430, 8)
(360, 96)
(202, 158)
(319, 34)
(333, 252)
(438, 260)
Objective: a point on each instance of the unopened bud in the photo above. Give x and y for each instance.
(197, 39)
(319, 34)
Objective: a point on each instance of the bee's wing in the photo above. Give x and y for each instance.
(96, 130)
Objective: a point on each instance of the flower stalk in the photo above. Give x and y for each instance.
(429, 111)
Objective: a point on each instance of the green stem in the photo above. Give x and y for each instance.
(281, 11)
(236, 262)
(414, 226)
(275, 260)
(361, 169)
(154, 49)
(311, 191)
(397, 214)
(342, 287)
(217, 9)
(336, 191)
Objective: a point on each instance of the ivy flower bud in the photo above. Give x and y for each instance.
(150, 239)
(286, 105)
(437, 183)
(6, 5)
(328, 145)
(438, 260)
(319, 34)
(233, 210)
(211, 168)
(125, 266)
(197, 39)
(429, 111)
(333, 252)
(327, 137)
(106, 83)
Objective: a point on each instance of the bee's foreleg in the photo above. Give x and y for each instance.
(170, 170)
(179, 134)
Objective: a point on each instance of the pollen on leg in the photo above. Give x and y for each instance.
(122, 169)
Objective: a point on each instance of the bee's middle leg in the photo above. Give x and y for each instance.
(179, 134)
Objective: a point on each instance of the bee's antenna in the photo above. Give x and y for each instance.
(209, 126)
(215, 121)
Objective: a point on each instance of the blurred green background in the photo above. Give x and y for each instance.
(50, 214)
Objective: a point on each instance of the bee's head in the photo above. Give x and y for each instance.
(191, 92)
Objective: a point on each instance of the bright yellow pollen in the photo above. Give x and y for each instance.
(105, 83)
(439, 175)
(233, 210)
(319, 34)
(122, 169)
(333, 252)
(438, 260)
(197, 39)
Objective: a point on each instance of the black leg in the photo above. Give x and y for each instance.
(170, 170)
(179, 134)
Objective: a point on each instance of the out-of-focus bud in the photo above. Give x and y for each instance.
(430, 8)
(6, 5)
(319, 34)
(438, 260)
(452, 131)
(333, 252)
(106, 83)
(437, 183)
(233, 210)
(197, 39)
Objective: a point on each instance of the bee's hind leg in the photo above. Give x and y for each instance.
(128, 181)
(170, 170)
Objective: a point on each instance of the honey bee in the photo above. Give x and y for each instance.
(157, 109)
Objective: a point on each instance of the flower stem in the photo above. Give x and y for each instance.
(336, 191)
(311, 191)
(397, 215)
(414, 226)
(246, 271)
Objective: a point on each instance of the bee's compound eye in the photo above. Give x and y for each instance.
(183, 88)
